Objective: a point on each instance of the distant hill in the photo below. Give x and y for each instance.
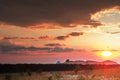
(107, 62)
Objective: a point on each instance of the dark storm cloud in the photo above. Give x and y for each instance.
(61, 12)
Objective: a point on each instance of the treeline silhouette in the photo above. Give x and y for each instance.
(13, 68)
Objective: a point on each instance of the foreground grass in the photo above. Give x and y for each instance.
(100, 74)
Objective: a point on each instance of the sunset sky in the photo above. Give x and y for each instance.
(47, 31)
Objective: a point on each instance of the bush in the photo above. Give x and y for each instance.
(50, 78)
(76, 69)
(81, 78)
(8, 77)
(57, 76)
(29, 73)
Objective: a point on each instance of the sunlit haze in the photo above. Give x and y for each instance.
(106, 53)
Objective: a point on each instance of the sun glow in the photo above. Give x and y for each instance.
(106, 53)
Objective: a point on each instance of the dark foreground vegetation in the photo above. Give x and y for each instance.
(14, 68)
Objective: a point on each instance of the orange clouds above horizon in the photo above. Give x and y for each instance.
(64, 28)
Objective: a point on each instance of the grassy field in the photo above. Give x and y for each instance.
(98, 74)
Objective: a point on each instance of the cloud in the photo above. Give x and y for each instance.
(12, 48)
(7, 47)
(113, 32)
(114, 50)
(53, 44)
(5, 42)
(76, 33)
(10, 38)
(30, 38)
(69, 35)
(27, 38)
(56, 13)
(59, 49)
(45, 37)
(19, 38)
(99, 51)
(108, 16)
(62, 37)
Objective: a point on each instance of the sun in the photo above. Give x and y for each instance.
(106, 53)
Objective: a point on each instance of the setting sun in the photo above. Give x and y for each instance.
(106, 53)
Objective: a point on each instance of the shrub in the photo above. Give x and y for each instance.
(39, 71)
(57, 76)
(29, 73)
(8, 77)
(81, 78)
(76, 69)
(22, 74)
(50, 78)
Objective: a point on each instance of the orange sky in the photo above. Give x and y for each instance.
(71, 31)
